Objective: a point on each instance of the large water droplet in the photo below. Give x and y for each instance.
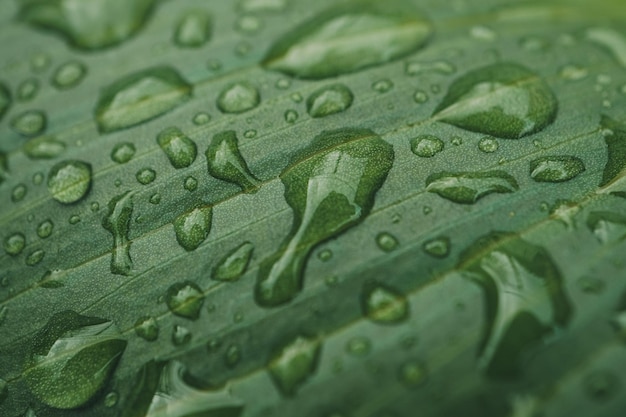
(224, 161)
(69, 181)
(139, 97)
(328, 100)
(294, 364)
(383, 304)
(238, 98)
(29, 123)
(94, 24)
(469, 187)
(185, 299)
(117, 222)
(607, 226)
(556, 168)
(43, 147)
(348, 38)
(5, 99)
(330, 186)
(505, 100)
(524, 297)
(614, 174)
(147, 328)
(69, 75)
(426, 146)
(72, 359)
(14, 244)
(193, 30)
(192, 228)
(234, 264)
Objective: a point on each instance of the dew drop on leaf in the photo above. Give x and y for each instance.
(145, 176)
(488, 144)
(117, 222)
(18, 193)
(29, 123)
(69, 75)
(123, 152)
(69, 181)
(556, 168)
(43, 147)
(238, 98)
(185, 299)
(234, 264)
(438, 247)
(294, 364)
(426, 146)
(179, 149)
(386, 241)
(412, 373)
(383, 304)
(45, 228)
(469, 187)
(147, 328)
(181, 335)
(14, 244)
(193, 30)
(193, 227)
(328, 100)
(225, 162)
(26, 90)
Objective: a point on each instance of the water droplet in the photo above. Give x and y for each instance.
(614, 138)
(232, 356)
(325, 255)
(488, 144)
(294, 364)
(413, 68)
(426, 146)
(18, 193)
(283, 83)
(601, 385)
(89, 25)
(147, 328)
(483, 33)
(386, 242)
(185, 299)
(225, 162)
(145, 176)
(556, 168)
(330, 186)
(69, 181)
(117, 222)
(291, 116)
(29, 123)
(155, 198)
(328, 100)
(249, 134)
(524, 296)
(72, 358)
(45, 228)
(110, 400)
(573, 72)
(37, 178)
(192, 228)
(201, 119)
(296, 97)
(607, 226)
(611, 40)
(139, 97)
(232, 266)
(504, 100)
(193, 30)
(180, 335)
(382, 86)
(420, 96)
(349, 38)
(123, 152)
(40, 62)
(248, 24)
(383, 304)
(43, 147)
(438, 247)
(413, 373)
(14, 244)
(358, 346)
(190, 184)
(238, 98)
(74, 219)
(179, 149)
(69, 75)
(27, 90)
(469, 187)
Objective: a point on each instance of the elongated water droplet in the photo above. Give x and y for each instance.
(69, 75)
(69, 181)
(224, 161)
(556, 168)
(185, 299)
(123, 152)
(89, 24)
(45, 228)
(330, 186)
(524, 297)
(43, 147)
(505, 100)
(163, 390)
(294, 364)
(192, 228)
(14, 244)
(328, 100)
(35, 257)
(117, 222)
(238, 98)
(4, 167)
(426, 146)
(414, 68)
(29, 123)
(232, 356)
(469, 187)
(180, 150)
(234, 264)
(72, 359)
(383, 304)
(5, 99)
(607, 226)
(438, 247)
(139, 97)
(193, 30)
(614, 174)
(27, 90)
(147, 328)
(349, 38)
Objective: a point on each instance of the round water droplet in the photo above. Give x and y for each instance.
(488, 144)
(413, 373)
(325, 255)
(35, 257)
(386, 241)
(249, 134)
(426, 146)
(185, 299)
(191, 184)
(201, 119)
(420, 96)
(29, 123)
(181, 335)
(28, 89)
(331, 280)
(382, 86)
(110, 400)
(296, 97)
(193, 227)
(438, 247)
(94, 206)
(45, 228)
(14, 244)
(74, 219)
(283, 83)
(147, 328)
(18, 193)
(291, 116)
(69, 75)
(179, 149)
(38, 178)
(40, 62)
(556, 168)
(331, 99)
(232, 356)
(145, 176)
(69, 181)
(123, 152)
(248, 24)
(155, 198)
(358, 346)
(238, 98)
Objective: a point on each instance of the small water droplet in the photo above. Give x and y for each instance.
(469, 187)
(383, 304)
(296, 97)
(190, 184)
(45, 228)
(225, 162)
(110, 400)
(283, 83)
(145, 176)
(147, 328)
(325, 255)
(488, 144)
(358, 346)
(43, 147)
(382, 86)
(179, 149)
(117, 222)
(69, 75)
(74, 219)
(291, 116)
(534, 43)
(180, 335)
(123, 152)
(232, 356)
(248, 24)
(438, 247)
(573, 72)
(386, 242)
(331, 280)
(420, 96)
(14, 244)
(155, 198)
(294, 364)
(29, 123)
(69, 181)
(232, 266)
(38, 178)
(328, 100)
(193, 227)
(185, 299)
(238, 98)
(18, 193)
(201, 118)
(94, 206)
(556, 168)
(27, 90)
(249, 134)
(40, 62)
(193, 30)
(413, 373)
(426, 146)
